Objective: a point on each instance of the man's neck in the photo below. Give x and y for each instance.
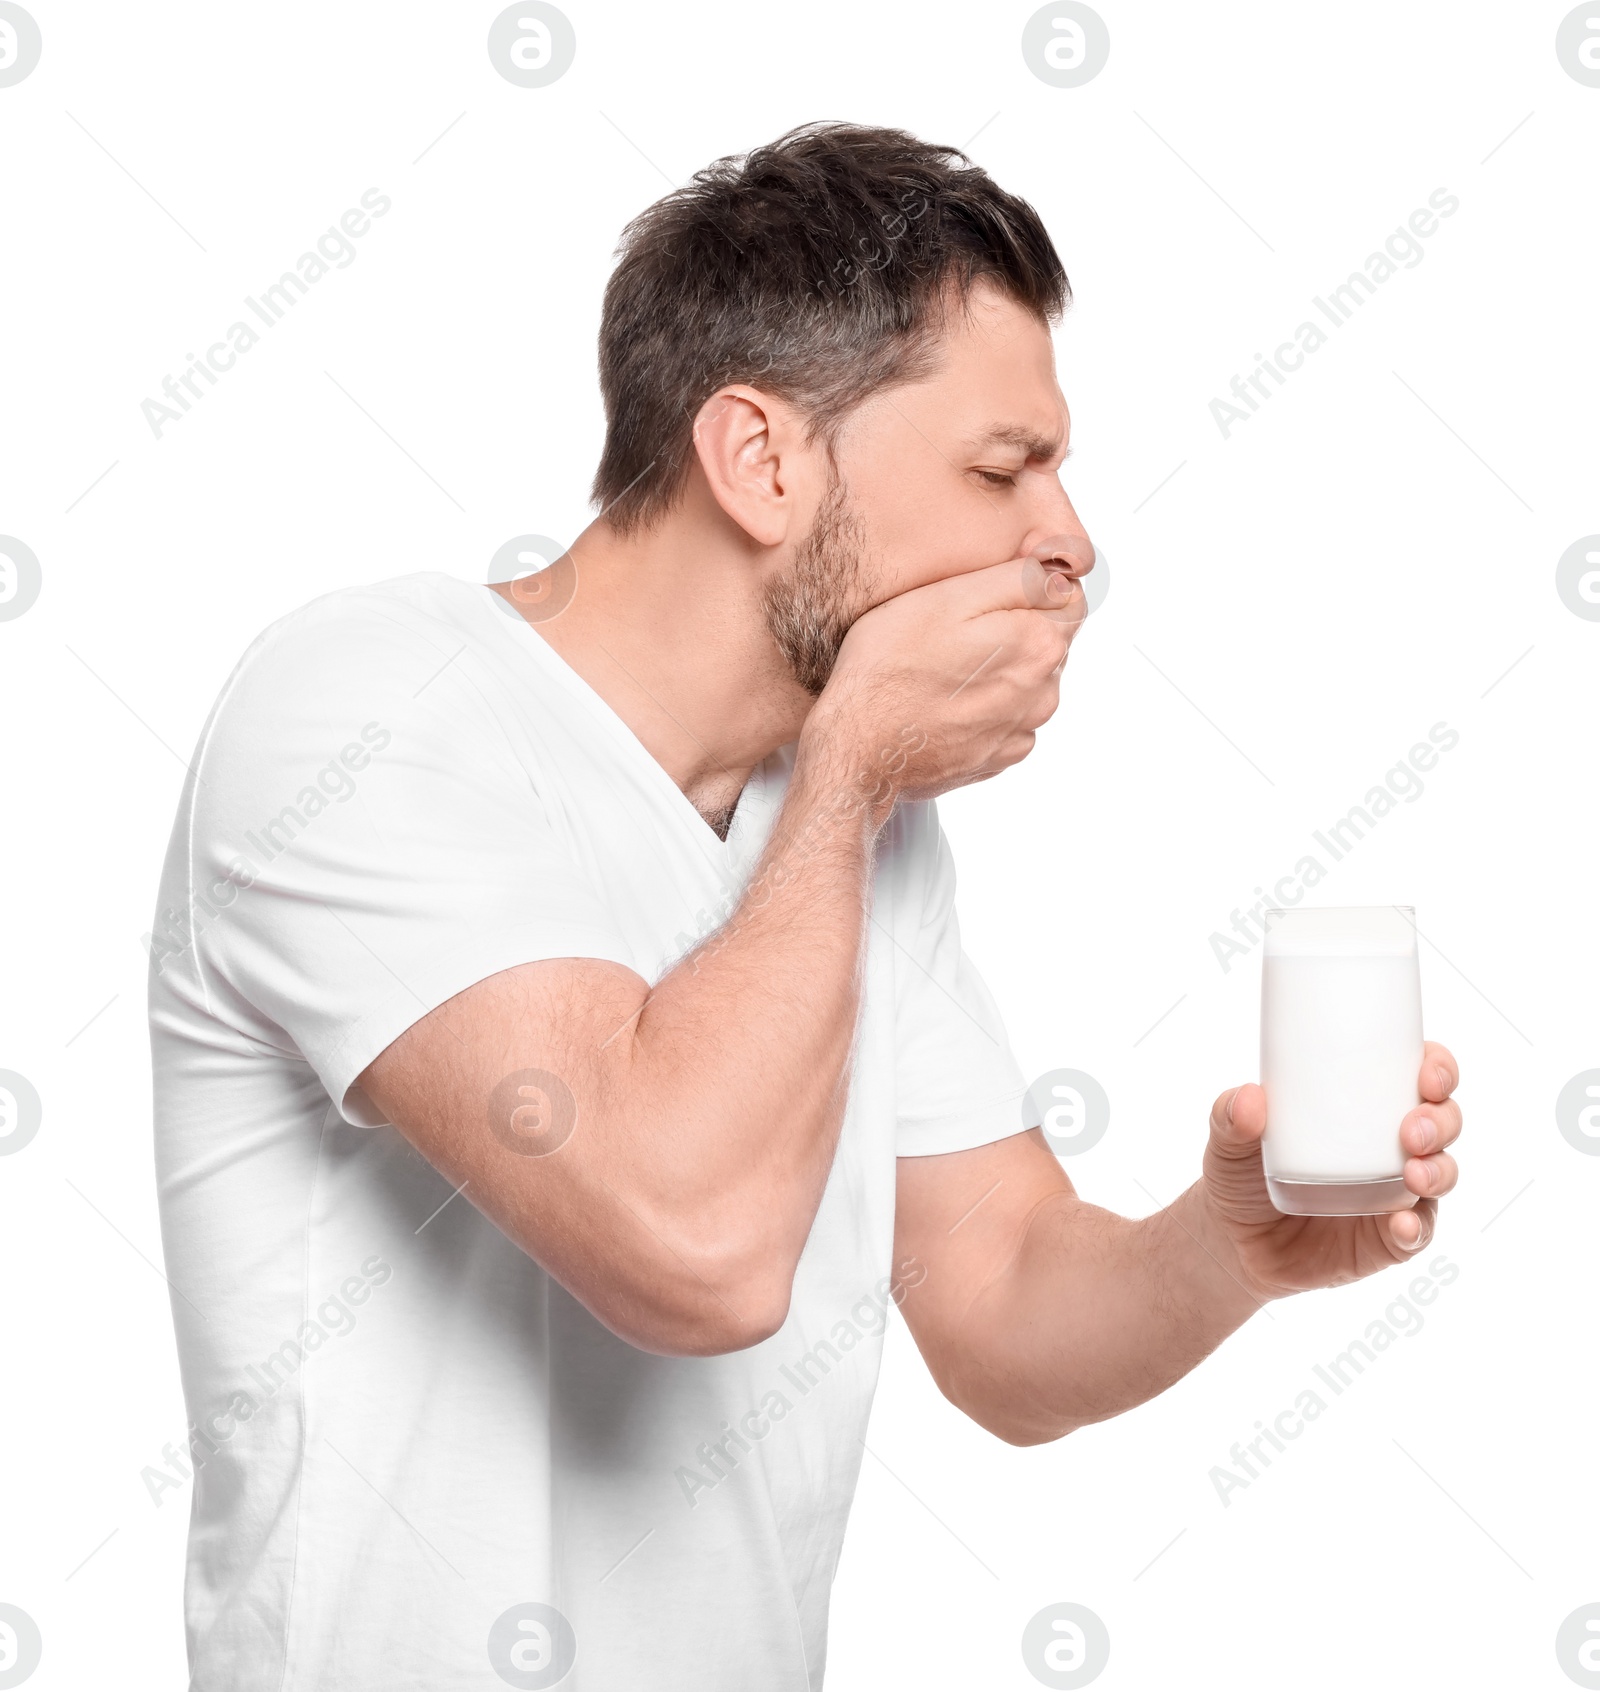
(667, 627)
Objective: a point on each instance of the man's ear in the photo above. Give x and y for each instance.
(746, 441)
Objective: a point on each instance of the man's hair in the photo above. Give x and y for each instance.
(819, 268)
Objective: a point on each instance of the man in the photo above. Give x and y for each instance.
(564, 1048)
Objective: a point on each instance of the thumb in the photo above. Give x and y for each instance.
(1020, 584)
(1238, 1120)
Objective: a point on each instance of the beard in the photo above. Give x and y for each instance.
(810, 608)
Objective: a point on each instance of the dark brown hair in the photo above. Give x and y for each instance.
(818, 268)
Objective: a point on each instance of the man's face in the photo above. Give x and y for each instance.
(935, 478)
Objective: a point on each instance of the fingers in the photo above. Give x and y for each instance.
(1042, 706)
(1058, 596)
(1408, 1231)
(1034, 640)
(1054, 605)
(1431, 1177)
(1430, 1171)
(1431, 1127)
(1440, 1074)
(1064, 558)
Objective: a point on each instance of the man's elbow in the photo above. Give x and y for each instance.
(714, 1303)
(703, 1327)
(1005, 1423)
(1028, 1433)
(983, 1402)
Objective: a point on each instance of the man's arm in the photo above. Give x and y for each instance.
(708, 1107)
(1039, 1313)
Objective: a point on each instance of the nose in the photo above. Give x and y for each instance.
(1057, 536)
(1071, 551)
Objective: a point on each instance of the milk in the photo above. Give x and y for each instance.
(1341, 1053)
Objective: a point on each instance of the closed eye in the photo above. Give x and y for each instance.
(998, 479)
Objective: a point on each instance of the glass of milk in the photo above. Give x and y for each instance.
(1341, 1055)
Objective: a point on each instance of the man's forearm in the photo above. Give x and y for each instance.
(738, 1058)
(1096, 1313)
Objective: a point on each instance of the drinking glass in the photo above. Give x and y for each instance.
(1341, 1055)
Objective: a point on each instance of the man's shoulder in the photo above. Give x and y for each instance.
(373, 618)
(382, 641)
(360, 658)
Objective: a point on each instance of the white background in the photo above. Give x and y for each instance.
(1288, 614)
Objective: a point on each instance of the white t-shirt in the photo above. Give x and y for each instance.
(419, 1462)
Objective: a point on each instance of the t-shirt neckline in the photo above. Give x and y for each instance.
(721, 852)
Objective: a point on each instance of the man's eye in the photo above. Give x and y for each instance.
(998, 479)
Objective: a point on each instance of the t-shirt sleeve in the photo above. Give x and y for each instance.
(362, 845)
(957, 1083)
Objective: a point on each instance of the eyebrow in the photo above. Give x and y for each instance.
(1019, 435)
